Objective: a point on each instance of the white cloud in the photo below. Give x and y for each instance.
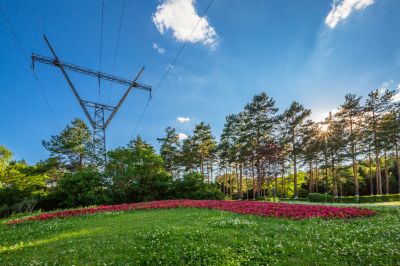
(183, 119)
(341, 10)
(396, 97)
(182, 136)
(181, 18)
(158, 48)
(391, 85)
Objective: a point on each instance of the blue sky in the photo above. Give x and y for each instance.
(310, 51)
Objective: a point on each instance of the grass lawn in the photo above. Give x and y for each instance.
(203, 237)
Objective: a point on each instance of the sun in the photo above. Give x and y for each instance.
(324, 127)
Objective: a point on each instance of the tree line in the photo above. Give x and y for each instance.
(264, 152)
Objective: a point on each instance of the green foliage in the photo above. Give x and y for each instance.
(16, 200)
(317, 197)
(169, 150)
(5, 158)
(369, 199)
(137, 173)
(192, 186)
(21, 185)
(73, 146)
(83, 188)
(21, 176)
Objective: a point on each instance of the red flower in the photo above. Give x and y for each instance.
(266, 209)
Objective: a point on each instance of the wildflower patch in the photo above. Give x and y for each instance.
(266, 209)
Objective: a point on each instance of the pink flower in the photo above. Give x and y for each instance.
(266, 209)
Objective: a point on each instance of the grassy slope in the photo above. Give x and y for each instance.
(203, 237)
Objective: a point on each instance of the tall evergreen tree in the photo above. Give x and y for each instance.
(377, 104)
(260, 118)
(350, 113)
(294, 118)
(204, 145)
(170, 150)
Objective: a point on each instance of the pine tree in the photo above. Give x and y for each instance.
(350, 114)
(335, 147)
(73, 146)
(260, 121)
(204, 145)
(294, 118)
(170, 149)
(377, 104)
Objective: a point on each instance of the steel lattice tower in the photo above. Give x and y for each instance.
(102, 113)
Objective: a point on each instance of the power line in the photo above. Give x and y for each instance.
(101, 37)
(170, 66)
(117, 45)
(29, 65)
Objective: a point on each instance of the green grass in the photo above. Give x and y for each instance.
(203, 237)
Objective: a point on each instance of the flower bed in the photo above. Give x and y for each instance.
(266, 209)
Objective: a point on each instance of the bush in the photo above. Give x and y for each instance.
(318, 197)
(16, 200)
(303, 193)
(192, 186)
(83, 188)
(369, 199)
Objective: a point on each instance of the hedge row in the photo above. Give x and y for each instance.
(316, 197)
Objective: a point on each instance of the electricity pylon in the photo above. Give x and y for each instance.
(99, 121)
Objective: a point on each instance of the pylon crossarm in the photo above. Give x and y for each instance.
(131, 86)
(89, 72)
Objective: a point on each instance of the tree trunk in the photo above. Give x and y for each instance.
(398, 164)
(240, 181)
(371, 183)
(326, 167)
(316, 177)
(225, 181)
(353, 154)
(378, 173)
(276, 184)
(310, 179)
(237, 176)
(334, 183)
(80, 160)
(202, 165)
(356, 188)
(387, 185)
(377, 159)
(254, 184)
(283, 181)
(296, 193)
(258, 188)
(247, 188)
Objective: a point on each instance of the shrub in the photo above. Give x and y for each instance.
(369, 199)
(16, 200)
(192, 186)
(83, 188)
(318, 197)
(303, 193)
